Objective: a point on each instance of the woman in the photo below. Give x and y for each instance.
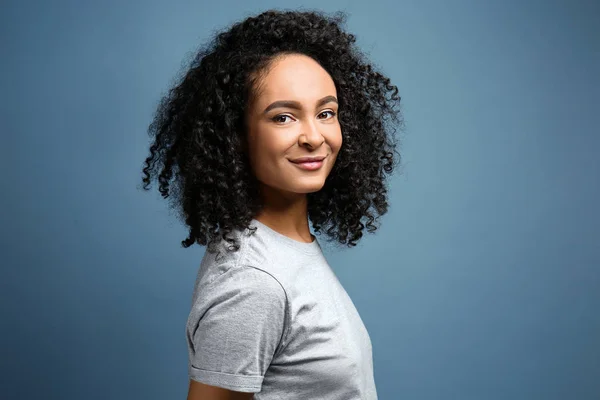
(279, 120)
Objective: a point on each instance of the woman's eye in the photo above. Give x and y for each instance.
(332, 113)
(278, 118)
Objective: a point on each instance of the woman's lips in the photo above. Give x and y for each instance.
(310, 166)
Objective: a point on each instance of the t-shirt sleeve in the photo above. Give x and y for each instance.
(234, 328)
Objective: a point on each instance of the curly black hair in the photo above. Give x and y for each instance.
(199, 156)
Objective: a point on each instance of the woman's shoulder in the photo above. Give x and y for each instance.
(223, 266)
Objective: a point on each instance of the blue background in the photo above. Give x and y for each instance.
(482, 283)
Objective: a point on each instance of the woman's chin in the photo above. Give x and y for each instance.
(309, 188)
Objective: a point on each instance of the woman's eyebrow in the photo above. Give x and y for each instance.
(296, 105)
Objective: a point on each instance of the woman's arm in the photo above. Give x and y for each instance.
(201, 391)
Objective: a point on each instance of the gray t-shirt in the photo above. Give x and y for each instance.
(273, 319)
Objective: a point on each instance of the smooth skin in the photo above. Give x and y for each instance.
(294, 115)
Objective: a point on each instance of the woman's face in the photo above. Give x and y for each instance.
(293, 116)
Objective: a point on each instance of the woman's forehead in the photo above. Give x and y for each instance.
(298, 78)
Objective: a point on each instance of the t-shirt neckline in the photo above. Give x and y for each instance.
(309, 248)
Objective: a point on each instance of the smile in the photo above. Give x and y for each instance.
(310, 166)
